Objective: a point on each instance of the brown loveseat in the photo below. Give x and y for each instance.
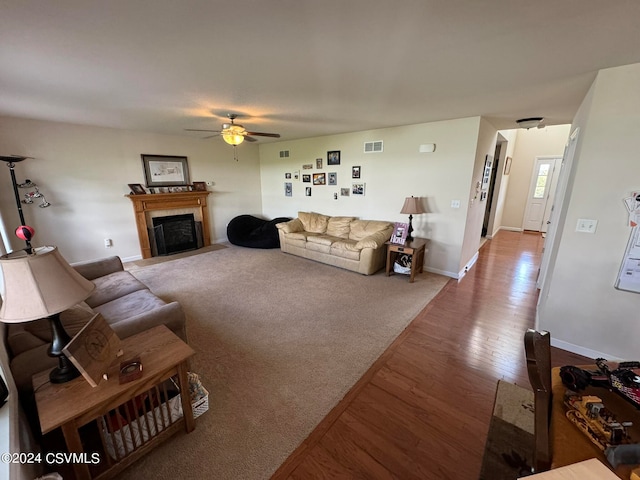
(345, 242)
(126, 304)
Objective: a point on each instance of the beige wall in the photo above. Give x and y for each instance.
(398, 172)
(580, 307)
(528, 145)
(84, 172)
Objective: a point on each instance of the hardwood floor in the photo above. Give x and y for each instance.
(422, 411)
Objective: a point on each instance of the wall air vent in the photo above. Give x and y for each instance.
(373, 147)
(284, 153)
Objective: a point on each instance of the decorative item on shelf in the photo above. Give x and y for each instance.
(199, 186)
(165, 170)
(400, 231)
(94, 349)
(136, 189)
(39, 283)
(23, 232)
(412, 206)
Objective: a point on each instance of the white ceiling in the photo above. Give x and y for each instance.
(305, 68)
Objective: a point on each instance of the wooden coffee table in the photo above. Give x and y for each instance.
(75, 404)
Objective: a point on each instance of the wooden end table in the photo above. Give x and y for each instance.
(76, 403)
(415, 248)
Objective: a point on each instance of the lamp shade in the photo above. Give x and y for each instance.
(39, 284)
(412, 206)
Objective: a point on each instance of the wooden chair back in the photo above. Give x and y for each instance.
(537, 346)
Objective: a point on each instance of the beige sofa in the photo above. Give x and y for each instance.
(126, 304)
(345, 242)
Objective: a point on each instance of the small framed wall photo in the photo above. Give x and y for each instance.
(344, 192)
(307, 191)
(333, 157)
(136, 189)
(333, 178)
(318, 163)
(319, 179)
(355, 172)
(288, 189)
(199, 186)
(306, 178)
(357, 189)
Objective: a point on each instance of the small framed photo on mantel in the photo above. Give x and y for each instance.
(137, 189)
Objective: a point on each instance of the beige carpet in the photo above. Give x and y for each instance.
(279, 341)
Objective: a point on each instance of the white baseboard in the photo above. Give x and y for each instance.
(133, 258)
(512, 229)
(441, 272)
(468, 266)
(586, 352)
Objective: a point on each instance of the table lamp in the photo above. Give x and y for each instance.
(40, 283)
(412, 206)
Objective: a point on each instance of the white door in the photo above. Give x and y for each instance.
(541, 182)
(552, 241)
(546, 218)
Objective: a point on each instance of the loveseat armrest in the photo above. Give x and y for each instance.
(170, 315)
(98, 268)
(291, 226)
(375, 240)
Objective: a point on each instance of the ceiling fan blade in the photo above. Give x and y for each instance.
(250, 139)
(198, 130)
(211, 136)
(262, 134)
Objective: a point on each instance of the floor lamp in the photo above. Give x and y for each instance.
(41, 284)
(24, 232)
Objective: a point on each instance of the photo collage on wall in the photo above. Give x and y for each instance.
(319, 179)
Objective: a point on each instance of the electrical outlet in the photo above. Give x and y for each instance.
(455, 203)
(586, 225)
(108, 243)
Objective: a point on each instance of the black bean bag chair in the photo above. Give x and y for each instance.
(254, 232)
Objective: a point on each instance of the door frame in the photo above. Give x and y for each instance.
(552, 240)
(556, 161)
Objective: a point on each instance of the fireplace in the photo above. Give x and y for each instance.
(174, 233)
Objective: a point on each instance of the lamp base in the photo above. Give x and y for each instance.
(65, 370)
(63, 374)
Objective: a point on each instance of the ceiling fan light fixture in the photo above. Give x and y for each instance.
(529, 122)
(233, 138)
(233, 134)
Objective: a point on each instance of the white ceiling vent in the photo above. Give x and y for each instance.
(284, 153)
(373, 147)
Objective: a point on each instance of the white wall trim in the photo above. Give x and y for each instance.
(441, 272)
(512, 229)
(586, 352)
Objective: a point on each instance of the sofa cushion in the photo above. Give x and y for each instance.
(292, 226)
(314, 222)
(113, 286)
(317, 247)
(130, 305)
(321, 239)
(339, 226)
(363, 228)
(345, 249)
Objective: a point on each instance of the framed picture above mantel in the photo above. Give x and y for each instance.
(165, 171)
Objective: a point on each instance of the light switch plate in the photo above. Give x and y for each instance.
(586, 225)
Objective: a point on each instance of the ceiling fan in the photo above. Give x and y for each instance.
(233, 133)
